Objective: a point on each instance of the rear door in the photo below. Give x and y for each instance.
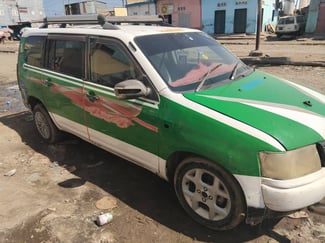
(30, 67)
(128, 128)
(65, 70)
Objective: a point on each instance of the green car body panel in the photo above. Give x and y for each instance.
(213, 140)
(234, 100)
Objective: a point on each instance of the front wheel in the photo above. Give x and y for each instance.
(45, 126)
(209, 194)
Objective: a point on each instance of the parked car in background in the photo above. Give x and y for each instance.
(291, 25)
(236, 143)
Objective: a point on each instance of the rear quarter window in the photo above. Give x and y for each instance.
(33, 50)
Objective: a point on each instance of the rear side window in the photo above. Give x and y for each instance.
(287, 20)
(34, 50)
(290, 20)
(300, 19)
(67, 57)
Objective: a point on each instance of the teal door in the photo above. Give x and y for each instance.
(219, 21)
(240, 20)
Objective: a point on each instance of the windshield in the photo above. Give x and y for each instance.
(287, 20)
(187, 61)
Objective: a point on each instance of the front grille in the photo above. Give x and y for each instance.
(321, 151)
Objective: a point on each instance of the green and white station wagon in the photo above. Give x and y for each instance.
(237, 144)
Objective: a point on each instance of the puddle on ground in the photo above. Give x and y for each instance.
(10, 98)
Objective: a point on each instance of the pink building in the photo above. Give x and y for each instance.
(180, 12)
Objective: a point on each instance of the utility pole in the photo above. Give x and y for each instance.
(258, 24)
(256, 52)
(18, 12)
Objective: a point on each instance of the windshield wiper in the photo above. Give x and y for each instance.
(205, 77)
(234, 70)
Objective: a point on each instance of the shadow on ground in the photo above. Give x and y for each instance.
(274, 38)
(136, 187)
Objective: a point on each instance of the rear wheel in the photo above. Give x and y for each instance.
(45, 126)
(209, 194)
(301, 31)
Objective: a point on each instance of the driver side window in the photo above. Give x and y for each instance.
(110, 64)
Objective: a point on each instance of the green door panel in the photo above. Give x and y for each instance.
(133, 121)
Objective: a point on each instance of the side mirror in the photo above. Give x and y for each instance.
(130, 89)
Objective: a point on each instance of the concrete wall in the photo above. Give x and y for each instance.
(321, 18)
(209, 7)
(302, 3)
(26, 11)
(270, 16)
(288, 7)
(141, 9)
(312, 16)
(181, 12)
(136, 1)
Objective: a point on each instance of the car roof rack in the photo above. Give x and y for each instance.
(109, 22)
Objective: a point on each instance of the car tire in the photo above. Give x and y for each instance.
(209, 194)
(45, 126)
(301, 31)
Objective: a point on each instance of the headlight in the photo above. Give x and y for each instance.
(290, 164)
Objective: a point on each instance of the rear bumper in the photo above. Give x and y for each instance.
(287, 32)
(288, 195)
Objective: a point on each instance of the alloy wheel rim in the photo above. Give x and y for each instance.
(206, 195)
(42, 125)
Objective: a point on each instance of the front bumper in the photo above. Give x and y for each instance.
(293, 194)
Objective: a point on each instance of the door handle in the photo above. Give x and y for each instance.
(91, 96)
(48, 82)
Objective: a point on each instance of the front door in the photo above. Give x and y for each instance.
(128, 128)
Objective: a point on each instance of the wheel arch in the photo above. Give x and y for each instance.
(240, 209)
(33, 101)
(173, 161)
(177, 157)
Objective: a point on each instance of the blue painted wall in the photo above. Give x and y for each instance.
(270, 15)
(210, 6)
(312, 16)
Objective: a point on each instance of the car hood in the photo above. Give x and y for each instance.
(292, 114)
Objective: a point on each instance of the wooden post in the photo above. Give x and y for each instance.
(258, 24)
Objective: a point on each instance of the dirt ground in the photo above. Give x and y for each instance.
(50, 191)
